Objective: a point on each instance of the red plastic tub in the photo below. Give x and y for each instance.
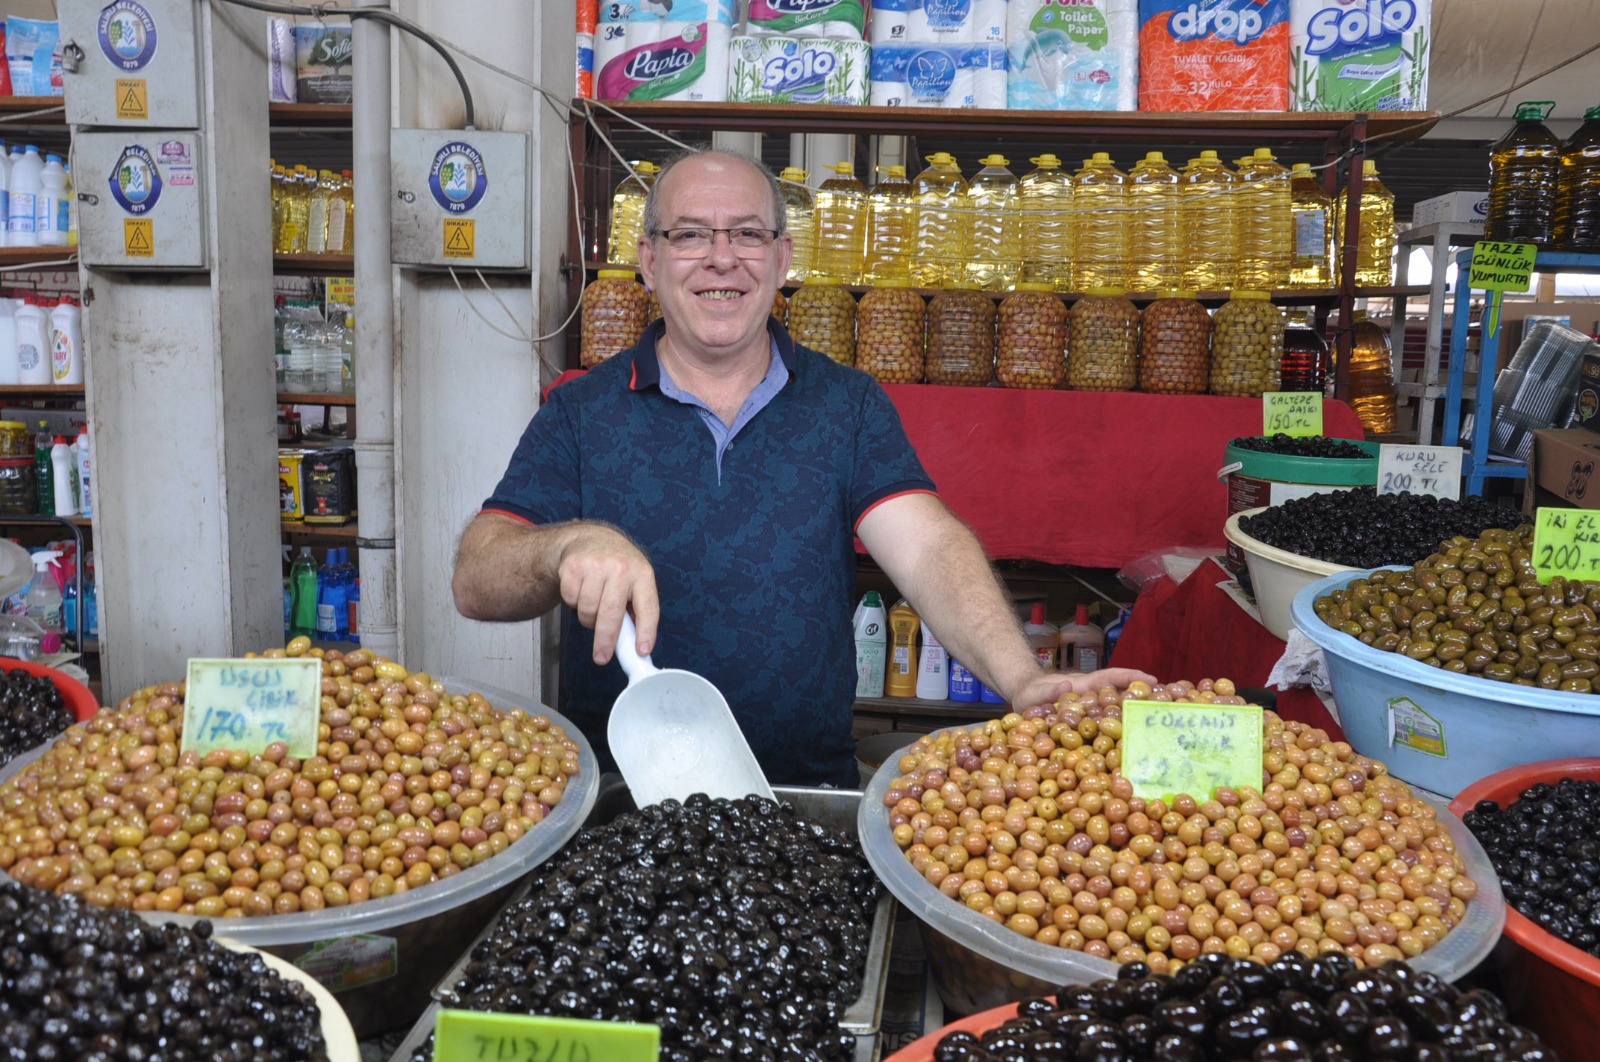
(1550, 986)
(921, 1049)
(75, 694)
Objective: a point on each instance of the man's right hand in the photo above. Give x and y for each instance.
(602, 572)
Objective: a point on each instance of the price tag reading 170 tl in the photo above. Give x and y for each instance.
(245, 704)
(1566, 542)
(1434, 470)
(1296, 413)
(473, 1036)
(1172, 748)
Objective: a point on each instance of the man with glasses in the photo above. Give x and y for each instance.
(713, 480)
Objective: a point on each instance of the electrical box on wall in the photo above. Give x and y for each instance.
(460, 198)
(140, 202)
(131, 63)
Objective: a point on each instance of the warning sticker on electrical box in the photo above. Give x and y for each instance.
(460, 240)
(138, 241)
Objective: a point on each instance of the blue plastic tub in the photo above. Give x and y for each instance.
(1434, 728)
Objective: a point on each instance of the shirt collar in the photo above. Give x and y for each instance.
(647, 362)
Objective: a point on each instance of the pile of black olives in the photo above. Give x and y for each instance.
(1364, 529)
(83, 982)
(736, 926)
(31, 712)
(1546, 848)
(1296, 446)
(1221, 1009)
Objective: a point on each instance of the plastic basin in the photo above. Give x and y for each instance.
(1276, 575)
(74, 694)
(1434, 728)
(978, 964)
(381, 958)
(1551, 987)
(876, 750)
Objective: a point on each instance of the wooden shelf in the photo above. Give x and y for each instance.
(21, 256)
(25, 519)
(296, 398)
(315, 265)
(55, 105)
(350, 530)
(916, 706)
(309, 114)
(42, 390)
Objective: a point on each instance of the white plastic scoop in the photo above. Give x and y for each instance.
(673, 735)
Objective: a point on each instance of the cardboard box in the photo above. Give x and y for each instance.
(291, 499)
(1455, 208)
(1562, 469)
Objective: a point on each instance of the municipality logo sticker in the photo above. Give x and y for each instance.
(457, 178)
(127, 35)
(135, 182)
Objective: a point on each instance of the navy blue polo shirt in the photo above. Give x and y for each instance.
(754, 554)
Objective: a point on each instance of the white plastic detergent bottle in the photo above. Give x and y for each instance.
(26, 184)
(933, 672)
(50, 204)
(33, 344)
(44, 596)
(66, 343)
(872, 645)
(8, 341)
(85, 472)
(63, 469)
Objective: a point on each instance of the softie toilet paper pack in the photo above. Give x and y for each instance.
(1073, 55)
(1214, 55)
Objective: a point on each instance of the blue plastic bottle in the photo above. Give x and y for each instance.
(988, 696)
(344, 578)
(963, 684)
(1114, 631)
(327, 594)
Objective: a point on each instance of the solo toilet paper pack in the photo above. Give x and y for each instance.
(799, 70)
(1073, 55)
(1359, 55)
(1214, 55)
(667, 61)
(843, 19)
(954, 76)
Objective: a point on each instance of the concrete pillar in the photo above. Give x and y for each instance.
(180, 385)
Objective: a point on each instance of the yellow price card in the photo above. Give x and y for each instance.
(1297, 413)
(1170, 748)
(474, 1036)
(1566, 542)
(248, 703)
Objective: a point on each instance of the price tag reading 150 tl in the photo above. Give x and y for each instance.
(245, 704)
(1434, 470)
(1296, 413)
(1566, 542)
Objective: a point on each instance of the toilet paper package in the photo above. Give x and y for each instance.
(953, 76)
(667, 61)
(841, 19)
(618, 29)
(799, 70)
(1081, 55)
(1213, 55)
(938, 21)
(281, 61)
(1359, 55)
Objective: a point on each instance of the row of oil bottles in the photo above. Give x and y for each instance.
(1544, 190)
(313, 211)
(1205, 228)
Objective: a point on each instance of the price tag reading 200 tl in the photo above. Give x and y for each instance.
(1566, 542)
(1432, 470)
(245, 704)
(1172, 748)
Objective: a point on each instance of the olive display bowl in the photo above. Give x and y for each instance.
(1276, 575)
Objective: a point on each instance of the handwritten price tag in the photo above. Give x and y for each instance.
(246, 704)
(1297, 413)
(1566, 542)
(473, 1036)
(1434, 470)
(1190, 748)
(1501, 267)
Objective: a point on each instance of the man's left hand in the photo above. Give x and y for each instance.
(1051, 685)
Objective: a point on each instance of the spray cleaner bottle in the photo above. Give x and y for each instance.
(44, 596)
(872, 645)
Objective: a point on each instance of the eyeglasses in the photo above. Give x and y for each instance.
(695, 241)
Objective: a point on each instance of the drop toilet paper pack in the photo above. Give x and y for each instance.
(1213, 55)
(955, 76)
(1359, 55)
(1073, 55)
(799, 70)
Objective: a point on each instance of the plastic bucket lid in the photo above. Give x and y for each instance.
(1320, 471)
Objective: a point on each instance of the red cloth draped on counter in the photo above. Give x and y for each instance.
(1092, 479)
(1194, 630)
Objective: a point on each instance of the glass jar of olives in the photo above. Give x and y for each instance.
(1174, 345)
(1104, 355)
(1031, 341)
(891, 325)
(961, 337)
(822, 316)
(1246, 346)
(615, 310)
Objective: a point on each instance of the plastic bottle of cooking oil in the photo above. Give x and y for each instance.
(1312, 210)
(841, 213)
(1375, 229)
(995, 254)
(296, 209)
(1577, 225)
(1044, 198)
(889, 227)
(1208, 224)
(1372, 393)
(1154, 255)
(1524, 169)
(342, 215)
(1266, 231)
(317, 211)
(627, 214)
(939, 224)
(280, 196)
(1099, 225)
(800, 219)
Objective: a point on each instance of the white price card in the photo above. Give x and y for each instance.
(1432, 470)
